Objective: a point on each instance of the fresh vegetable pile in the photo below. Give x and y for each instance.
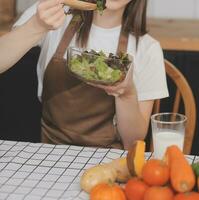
(171, 178)
(95, 67)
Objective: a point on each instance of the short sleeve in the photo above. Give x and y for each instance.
(149, 74)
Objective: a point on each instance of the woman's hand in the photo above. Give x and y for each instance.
(50, 14)
(121, 90)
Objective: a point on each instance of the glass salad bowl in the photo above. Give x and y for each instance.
(97, 67)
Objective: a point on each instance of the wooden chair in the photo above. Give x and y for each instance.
(184, 93)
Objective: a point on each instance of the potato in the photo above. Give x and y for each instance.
(122, 170)
(98, 174)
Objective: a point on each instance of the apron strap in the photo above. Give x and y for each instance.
(122, 43)
(70, 31)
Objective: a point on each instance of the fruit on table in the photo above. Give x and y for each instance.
(159, 193)
(105, 173)
(97, 174)
(120, 165)
(132, 164)
(106, 191)
(182, 176)
(135, 189)
(136, 159)
(187, 196)
(155, 172)
(111, 172)
(116, 170)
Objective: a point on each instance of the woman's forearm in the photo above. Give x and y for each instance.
(49, 16)
(16, 43)
(131, 124)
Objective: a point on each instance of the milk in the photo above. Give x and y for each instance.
(163, 139)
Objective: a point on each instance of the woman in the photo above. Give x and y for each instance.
(78, 113)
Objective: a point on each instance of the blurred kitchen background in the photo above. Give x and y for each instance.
(175, 23)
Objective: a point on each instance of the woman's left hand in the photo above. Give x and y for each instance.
(123, 89)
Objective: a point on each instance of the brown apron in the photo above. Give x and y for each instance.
(73, 111)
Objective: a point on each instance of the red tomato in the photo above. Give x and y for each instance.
(159, 193)
(155, 172)
(187, 196)
(135, 189)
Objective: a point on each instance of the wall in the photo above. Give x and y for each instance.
(157, 8)
(174, 8)
(23, 4)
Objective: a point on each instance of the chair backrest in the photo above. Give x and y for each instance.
(184, 93)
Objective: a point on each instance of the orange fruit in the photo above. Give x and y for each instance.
(155, 172)
(135, 189)
(158, 193)
(187, 196)
(104, 191)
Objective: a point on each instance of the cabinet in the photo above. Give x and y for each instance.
(175, 34)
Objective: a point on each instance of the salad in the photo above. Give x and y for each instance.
(100, 4)
(96, 67)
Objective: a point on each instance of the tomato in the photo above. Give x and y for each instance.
(187, 196)
(155, 172)
(135, 189)
(159, 193)
(104, 191)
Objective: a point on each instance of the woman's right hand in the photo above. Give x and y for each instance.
(50, 14)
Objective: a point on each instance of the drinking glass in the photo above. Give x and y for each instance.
(167, 129)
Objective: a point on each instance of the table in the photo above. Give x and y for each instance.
(43, 171)
(175, 34)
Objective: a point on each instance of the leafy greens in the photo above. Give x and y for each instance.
(100, 4)
(97, 67)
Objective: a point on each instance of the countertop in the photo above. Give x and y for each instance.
(173, 34)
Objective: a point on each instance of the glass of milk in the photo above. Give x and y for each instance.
(167, 129)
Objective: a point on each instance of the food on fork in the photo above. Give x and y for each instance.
(86, 4)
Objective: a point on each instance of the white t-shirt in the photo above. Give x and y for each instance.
(149, 71)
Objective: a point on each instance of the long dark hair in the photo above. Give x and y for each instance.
(133, 21)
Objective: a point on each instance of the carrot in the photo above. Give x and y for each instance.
(181, 174)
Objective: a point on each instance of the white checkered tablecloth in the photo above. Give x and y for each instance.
(42, 171)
